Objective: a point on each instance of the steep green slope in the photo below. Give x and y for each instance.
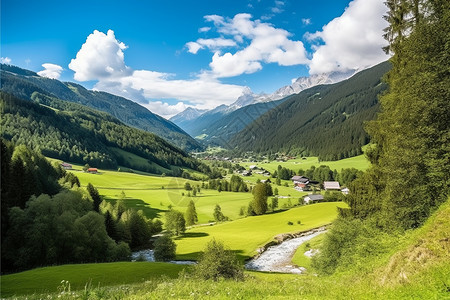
(75, 133)
(326, 121)
(22, 83)
(225, 127)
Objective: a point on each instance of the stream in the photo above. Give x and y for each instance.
(278, 258)
(274, 259)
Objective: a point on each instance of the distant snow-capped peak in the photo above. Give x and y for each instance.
(189, 113)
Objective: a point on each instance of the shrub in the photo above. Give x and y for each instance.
(290, 223)
(165, 248)
(219, 262)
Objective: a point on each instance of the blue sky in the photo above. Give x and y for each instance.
(168, 55)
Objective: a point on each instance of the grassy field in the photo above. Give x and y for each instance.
(417, 267)
(48, 279)
(244, 236)
(359, 162)
(154, 194)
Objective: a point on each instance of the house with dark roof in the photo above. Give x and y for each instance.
(312, 198)
(300, 179)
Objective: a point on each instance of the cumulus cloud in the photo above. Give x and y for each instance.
(351, 41)
(101, 58)
(267, 44)
(5, 60)
(51, 71)
(213, 44)
(164, 109)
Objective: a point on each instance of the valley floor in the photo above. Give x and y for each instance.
(418, 267)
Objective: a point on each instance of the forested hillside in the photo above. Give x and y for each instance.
(23, 83)
(410, 174)
(75, 133)
(326, 120)
(226, 127)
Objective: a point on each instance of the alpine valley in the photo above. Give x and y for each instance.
(117, 183)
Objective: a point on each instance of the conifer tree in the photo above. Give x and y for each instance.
(191, 214)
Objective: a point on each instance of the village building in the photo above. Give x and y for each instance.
(92, 170)
(66, 166)
(246, 173)
(299, 179)
(313, 198)
(345, 191)
(331, 185)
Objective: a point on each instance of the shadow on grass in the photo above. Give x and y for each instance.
(139, 204)
(192, 235)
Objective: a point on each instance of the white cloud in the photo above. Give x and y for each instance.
(267, 45)
(101, 58)
(351, 41)
(51, 71)
(164, 109)
(214, 44)
(204, 29)
(306, 21)
(5, 60)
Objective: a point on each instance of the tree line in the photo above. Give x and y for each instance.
(409, 175)
(46, 217)
(324, 121)
(72, 132)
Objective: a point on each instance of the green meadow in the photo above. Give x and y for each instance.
(48, 279)
(155, 194)
(245, 235)
(359, 162)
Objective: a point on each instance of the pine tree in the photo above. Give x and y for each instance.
(191, 214)
(93, 192)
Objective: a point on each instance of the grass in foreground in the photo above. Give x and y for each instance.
(48, 279)
(403, 273)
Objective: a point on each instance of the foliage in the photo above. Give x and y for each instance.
(56, 230)
(187, 186)
(259, 203)
(219, 262)
(324, 120)
(165, 248)
(95, 196)
(218, 215)
(191, 214)
(409, 177)
(175, 222)
(79, 134)
(23, 86)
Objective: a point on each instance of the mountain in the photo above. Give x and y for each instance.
(23, 83)
(303, 83)
(325, 120)
(203, 126)
(76, 133)
(188, 114)
(228, 125)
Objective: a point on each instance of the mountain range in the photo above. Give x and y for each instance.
(23, 83)
(325, 120)
(204, 124)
